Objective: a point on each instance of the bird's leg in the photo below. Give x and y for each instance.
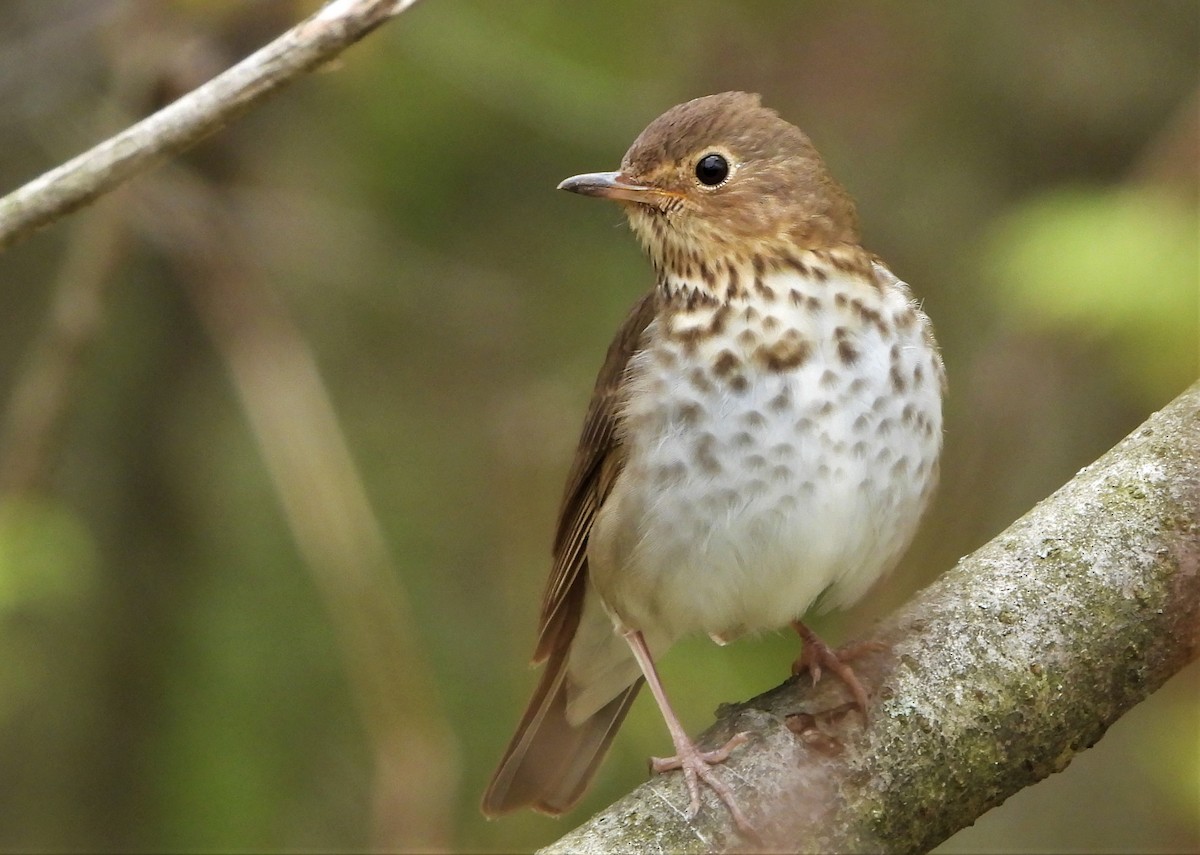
(816, 654)
(694, 762)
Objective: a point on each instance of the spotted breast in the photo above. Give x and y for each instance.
(783, 429)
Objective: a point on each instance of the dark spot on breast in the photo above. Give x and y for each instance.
(703, 449)
(666, 357)
(861, 423)
(868, 315)
(840, 300)
(785, 354)
(690, 413)
(764, 290)
(783, 449)
(700, 381)
(754, 461)
(746, 338)
(858, 263)
(796, 264)
(720, 317)
(770, 323)
(734, 287)
(672, 473)
(859, 449)
(754, 419)
(795, 297)
(739, 383)
(755, 488)
(726, 363)
(781, 472)
(898, 384)
(847, 352)
(782, 401)
(742, 439)
(696, 298)
(918, 376)
(689, 337)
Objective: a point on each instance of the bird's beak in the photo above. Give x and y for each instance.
(613, 185)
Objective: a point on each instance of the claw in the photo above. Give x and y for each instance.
(817, 654)
(697, 766)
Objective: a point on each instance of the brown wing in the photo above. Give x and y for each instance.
(598, 461)
(549, 761)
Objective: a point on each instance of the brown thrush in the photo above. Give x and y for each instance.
(764, 432)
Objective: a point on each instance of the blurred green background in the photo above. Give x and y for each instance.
(228, 622)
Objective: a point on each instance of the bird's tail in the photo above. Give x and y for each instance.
(549, 762)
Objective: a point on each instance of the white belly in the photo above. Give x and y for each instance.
(743, 500)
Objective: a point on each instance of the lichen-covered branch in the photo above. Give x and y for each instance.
(995, 676)
(179, 125)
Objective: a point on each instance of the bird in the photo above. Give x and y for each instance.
(763, 438)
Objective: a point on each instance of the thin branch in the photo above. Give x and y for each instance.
(996, 676)
(309, 44)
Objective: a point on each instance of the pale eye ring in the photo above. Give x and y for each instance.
(712, 170)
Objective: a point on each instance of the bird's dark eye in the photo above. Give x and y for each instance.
(712, 169)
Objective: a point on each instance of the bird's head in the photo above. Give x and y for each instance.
(721, 178)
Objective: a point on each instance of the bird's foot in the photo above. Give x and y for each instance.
(697, 766)
(817, 655)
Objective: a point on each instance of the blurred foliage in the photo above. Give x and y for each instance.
(1083, 259)
(172, 677)
(46, 556)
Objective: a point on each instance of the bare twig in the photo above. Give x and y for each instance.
(998, 674)
(179, 125)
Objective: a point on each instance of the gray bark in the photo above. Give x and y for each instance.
(994, 677)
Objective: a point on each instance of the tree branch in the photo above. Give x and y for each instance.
(996, 675)
(309, 44)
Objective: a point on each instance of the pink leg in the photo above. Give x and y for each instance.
(817, 654)
(694, 762)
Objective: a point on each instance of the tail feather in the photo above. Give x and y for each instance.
(549, 762)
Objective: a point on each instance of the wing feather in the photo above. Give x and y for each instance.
(598, 461)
